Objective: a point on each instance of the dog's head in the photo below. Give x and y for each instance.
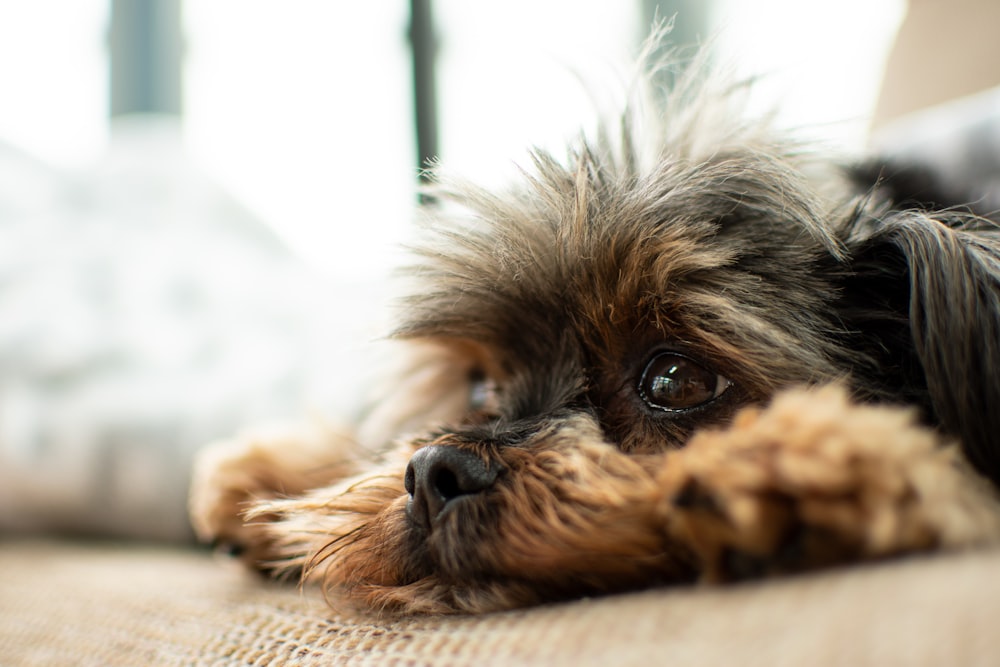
(578, 326)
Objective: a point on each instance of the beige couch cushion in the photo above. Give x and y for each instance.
(79, 604)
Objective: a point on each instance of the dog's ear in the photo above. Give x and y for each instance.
(922, 298)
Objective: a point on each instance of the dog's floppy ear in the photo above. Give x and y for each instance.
(923, 299)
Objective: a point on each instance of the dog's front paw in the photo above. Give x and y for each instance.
(814, 481)
(232, 476)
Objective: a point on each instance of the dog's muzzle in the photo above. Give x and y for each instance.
(438, 475)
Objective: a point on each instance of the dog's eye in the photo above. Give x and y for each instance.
(673, 382)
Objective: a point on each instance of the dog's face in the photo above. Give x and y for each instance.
(584, 324)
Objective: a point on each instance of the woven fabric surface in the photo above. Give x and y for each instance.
(107, 605)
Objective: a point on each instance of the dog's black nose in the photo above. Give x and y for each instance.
(437, 474)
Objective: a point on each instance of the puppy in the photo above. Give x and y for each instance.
(693, 349)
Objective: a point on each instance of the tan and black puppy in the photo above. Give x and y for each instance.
(691, 349)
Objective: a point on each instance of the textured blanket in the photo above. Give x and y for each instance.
(107, 605)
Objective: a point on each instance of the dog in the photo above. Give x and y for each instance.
(695, 349)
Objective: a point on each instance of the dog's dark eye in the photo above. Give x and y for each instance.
(674, 382)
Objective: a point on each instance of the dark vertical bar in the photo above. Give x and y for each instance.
(146, 52)
(423, 43)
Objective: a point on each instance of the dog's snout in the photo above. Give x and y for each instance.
(437, 475)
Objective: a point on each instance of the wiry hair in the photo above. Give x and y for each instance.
(681, 227)
(712, 224)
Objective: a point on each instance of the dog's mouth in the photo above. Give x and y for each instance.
(563, 516)
(471, 526)
(452, 514)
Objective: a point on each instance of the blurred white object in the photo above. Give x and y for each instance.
(144, 314)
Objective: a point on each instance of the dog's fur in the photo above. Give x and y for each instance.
(543, 321)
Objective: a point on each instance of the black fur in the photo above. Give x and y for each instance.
(924, 297)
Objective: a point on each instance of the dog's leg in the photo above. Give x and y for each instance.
(232, 475)
(814, 481)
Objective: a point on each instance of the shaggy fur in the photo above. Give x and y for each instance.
(582, 409)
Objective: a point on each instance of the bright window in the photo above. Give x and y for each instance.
(302, 108)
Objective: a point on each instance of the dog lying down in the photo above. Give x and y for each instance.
(693, 350)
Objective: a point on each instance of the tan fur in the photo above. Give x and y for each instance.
(815, 474)
(810, 482)
(231, 476)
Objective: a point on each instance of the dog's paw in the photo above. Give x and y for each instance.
(232, 476)
(228, 478)
(814, 481)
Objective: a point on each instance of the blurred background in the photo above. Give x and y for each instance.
(303, 110)
(200, 201)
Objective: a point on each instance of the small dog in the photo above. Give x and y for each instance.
(694, 349)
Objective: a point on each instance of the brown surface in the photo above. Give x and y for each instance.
(77, 604)
(945, 49)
